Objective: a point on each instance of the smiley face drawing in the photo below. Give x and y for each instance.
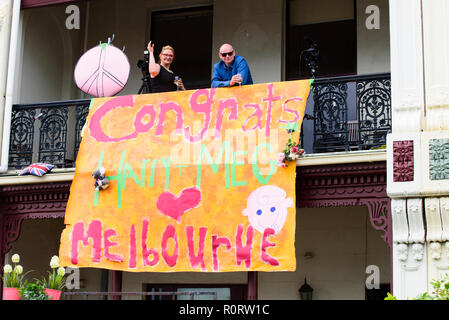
(267, 208)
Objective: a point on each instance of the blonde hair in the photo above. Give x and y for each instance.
(167, 47)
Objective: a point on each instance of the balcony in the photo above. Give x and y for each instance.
(348, 113)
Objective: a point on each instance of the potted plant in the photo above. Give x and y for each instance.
(56, 280)
(12, 279)
(33, 291)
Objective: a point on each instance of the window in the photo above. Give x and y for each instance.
(223, 291)
(189, 32)
(331, 25)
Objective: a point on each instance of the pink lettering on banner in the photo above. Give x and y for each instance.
(296, 113)
(205, 108)
(195, 260)
(170, 232)
(164, 108)
(217, 242)
(108, 244)
(265, 257)
(243, 253)
(95, 122)
(258, 113)
(145, 251)
(230, 103)
(132, 263)
(146, 110)
(93, 232)
(270, 101)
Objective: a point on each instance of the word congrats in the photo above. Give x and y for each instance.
(194, 183)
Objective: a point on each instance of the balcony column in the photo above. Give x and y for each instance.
(418, 148)
(435, 137)
(404, 148)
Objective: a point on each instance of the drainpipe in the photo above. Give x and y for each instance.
(12, 60)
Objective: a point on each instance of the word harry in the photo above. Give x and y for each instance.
(201, 102)
(151, 257)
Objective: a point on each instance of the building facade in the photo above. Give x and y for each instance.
(360, 198)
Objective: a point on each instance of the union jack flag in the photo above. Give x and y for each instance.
(37, 169)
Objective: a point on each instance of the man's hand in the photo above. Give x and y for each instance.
(235, 80)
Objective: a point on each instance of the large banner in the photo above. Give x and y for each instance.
(194, 181)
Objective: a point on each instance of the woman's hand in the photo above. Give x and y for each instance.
(180, 84)
(150, 47)
(153, 67)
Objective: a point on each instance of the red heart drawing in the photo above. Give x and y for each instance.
(174, 207)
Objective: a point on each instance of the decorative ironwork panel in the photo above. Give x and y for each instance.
(374, 111)
(330, 117)
(21, 139)
(53, 135)
(81, 115)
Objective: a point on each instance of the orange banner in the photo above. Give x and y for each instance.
(194, 181)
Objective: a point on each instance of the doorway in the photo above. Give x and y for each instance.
(189, 32)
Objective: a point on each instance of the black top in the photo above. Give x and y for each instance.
(163, 82)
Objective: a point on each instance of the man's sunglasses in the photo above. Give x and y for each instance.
(224, 54)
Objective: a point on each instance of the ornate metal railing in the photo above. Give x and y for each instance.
(371, 112)
(46, 132)
(51, 132)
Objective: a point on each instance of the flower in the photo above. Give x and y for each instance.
(18, 269)
(54, 262)
(13, 277)
(291, 152)
(15, 258)
(281, 157)
(282, 165)
(7, 268)
(61, 271)
(56, 278)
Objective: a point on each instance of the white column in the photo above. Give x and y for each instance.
(436, 63)
(406, 61)
(5, 33)
(408, 111)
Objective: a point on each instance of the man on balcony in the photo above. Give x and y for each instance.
(231, 70)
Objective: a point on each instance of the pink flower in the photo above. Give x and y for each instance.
(294, 150)
(281, 157)
(282, 165)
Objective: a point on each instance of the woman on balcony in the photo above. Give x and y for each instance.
(163, 79)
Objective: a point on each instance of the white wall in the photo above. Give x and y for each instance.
(49, 51)
(373, 45)
(255, 29)
(313, 11)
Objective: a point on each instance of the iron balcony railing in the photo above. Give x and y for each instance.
(349, 113)
(47, 132)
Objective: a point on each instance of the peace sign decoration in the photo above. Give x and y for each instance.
(102, 71)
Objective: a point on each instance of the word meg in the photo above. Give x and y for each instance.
(152, 257)
(142, 125)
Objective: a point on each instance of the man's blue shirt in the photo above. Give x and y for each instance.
(222, 74)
